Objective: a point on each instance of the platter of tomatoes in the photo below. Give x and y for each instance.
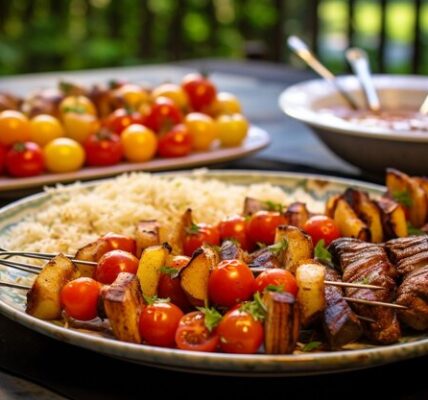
(85, 132)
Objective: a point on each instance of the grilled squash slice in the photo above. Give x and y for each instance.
(122, 302)
(393, 218)
(43, 299)
(348, 222)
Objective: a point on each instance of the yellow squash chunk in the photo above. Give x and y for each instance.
(393, 218)
(348, 222)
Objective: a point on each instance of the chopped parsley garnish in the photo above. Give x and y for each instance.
(403, 197)
(193, 229)
(170, 271)
(272, 206)
(321, 252)
(212, 317)
(275, 288)
(255, 308)
(411, 230)
(277, 248)
(311, 346)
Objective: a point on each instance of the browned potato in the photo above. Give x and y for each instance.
(297, 214)
(251, 206)
(180, 233)
(194, 277)
(43, 299)
(367, 210)
(91, 252)
(330, 205)
(148, 234)
(408, 191)
(393, 218)
(122, 302)
(348, 222)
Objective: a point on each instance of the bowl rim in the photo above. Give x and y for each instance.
(292, 106)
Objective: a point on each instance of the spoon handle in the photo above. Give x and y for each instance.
(300, 48)
(358, 60)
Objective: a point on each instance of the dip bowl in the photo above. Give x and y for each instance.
(371, 148)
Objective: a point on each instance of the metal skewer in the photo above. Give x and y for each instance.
(375, 303)
(43, 256)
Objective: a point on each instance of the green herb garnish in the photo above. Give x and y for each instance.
(411, 230)
(277, 248)
(321, 252)
(255, 308)
(311, 346)
(403, 197)
(170, 271)
(155, 299)
(193, 229)
(212, 317)
(275, 288)
(261, 245)
(272, 206)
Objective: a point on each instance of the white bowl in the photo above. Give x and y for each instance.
(370, 148)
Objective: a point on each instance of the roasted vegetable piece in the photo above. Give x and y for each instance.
(149, 268)
(230, 250)
(122, 302)
(194, 277)
(43, 299)
(367, 211)
(393, 218)
(330, 205)
(348, 222)
(310, 277)
(299, 245)
(409, 193)
(179, 236)
(251, 206)
(148, 234)
(91, 252)
(297, 214)
(282, 324)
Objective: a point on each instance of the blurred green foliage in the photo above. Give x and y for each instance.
(44, 35)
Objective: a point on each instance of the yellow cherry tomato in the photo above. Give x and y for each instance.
(225, 103)
(63, 155)
(202, 129)
(131, 96)
(139, 143)
(14, 127)
(80, 126)
(173, 92)
(77, 105)
(44, 128)
(231, 129)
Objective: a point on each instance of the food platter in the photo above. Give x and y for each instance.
(314, 190)
(256, 140)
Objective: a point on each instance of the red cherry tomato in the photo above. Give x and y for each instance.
(322, 227)
(103, 148)
(2, 158)
(262, 225)
(111, 264)
(230, 283)
(120, 242)
(175, 143)
(200, 91)
(234, 228)
(163, 115)
(192, 334)
(169, 283)
(279, 278)
(240, 333)
(24, 159)
(198, 235)
(80, 298)
(120, 119)
(158, 323)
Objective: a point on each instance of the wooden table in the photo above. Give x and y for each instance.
(75, 373)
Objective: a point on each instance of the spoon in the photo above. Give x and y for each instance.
(301, 49)
(359, 62)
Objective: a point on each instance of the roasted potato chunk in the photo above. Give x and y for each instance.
(43, 299)
(91, 252)
(330, 205)
(251, 206)
(194, 277)
(122, 302)
(297, 214)
(148, 234)
(299, 245)
(393, 218)
(310, 277)
(348, 222)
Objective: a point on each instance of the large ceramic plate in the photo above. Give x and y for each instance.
(256, 140)
(314, 190)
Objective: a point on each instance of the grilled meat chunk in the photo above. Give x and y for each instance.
(408, 253)
(341, 325)
(368, 263)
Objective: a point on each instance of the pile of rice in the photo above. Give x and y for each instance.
(76, 215)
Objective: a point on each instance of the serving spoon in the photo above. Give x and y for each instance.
(300, 48)
(359, 63)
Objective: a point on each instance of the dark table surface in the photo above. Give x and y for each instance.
(35, 366)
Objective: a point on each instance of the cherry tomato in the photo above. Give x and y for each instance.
(202, 129)
(230, 283)
(234, 227)
(116, 241)
(225, 103)
(14, 127)
(240, 333)
(63, 155)
(200, 90)
(121, 118)
(130, 96)
(24, 159)
(199, 234)
(139, 143)
(163, 115)
(231, 129)
(262, 225)
(321, 227)
(2, 158)
(112, 263)
(103, 148)
(80, 298)
(192, 334)
(173, 92)
(78, 105)
(44, 128)
(80, 126)
(158, 323)
(169, 283)
(175, 143)
(277, 277)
